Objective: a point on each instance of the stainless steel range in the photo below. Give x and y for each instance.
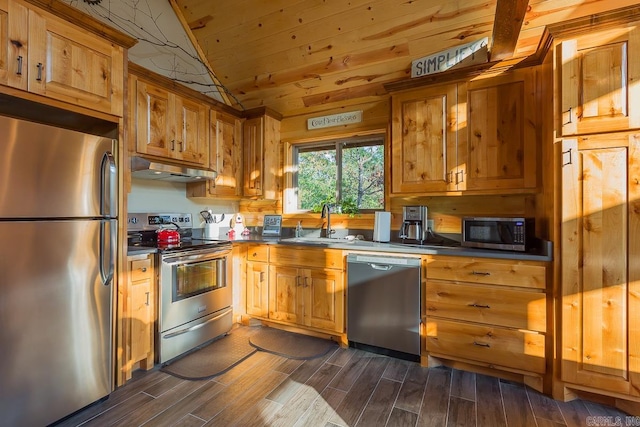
(194, 279)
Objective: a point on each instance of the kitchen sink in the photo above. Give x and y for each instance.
(325, 241)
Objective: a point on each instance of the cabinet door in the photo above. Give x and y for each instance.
(154, 112)
(253, 156)
(257, 289)
(14, 32)
(141, 319)
(74, 66)
(599, 284)
(285, 294)
(191, 132)
(324, 299)
(501, 138)
(225, 155)
(598, 75)
(423, 144)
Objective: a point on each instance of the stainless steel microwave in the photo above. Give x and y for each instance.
(512, 234)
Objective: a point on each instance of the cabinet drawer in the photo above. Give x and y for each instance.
(492, 345)
(140, 269)
(487, 304)
(487, 271)
(258, 253)
(304, 256)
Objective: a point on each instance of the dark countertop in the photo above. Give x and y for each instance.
(135, 250)
(544, 255)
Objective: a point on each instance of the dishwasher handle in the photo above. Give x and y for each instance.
(382, 267)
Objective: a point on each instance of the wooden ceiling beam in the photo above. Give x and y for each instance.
(506, 28)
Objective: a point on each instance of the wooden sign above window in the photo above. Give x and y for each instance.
(334, 120)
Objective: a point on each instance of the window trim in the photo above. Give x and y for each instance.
(293, 147)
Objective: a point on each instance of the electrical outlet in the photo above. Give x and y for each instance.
(430, 224)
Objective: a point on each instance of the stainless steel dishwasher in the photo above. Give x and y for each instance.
(383, 304)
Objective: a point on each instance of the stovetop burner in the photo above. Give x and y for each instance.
(142, 233)
(147, 239)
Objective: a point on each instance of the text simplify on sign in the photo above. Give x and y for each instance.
(444, 60)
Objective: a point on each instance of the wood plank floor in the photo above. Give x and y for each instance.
(348, 387)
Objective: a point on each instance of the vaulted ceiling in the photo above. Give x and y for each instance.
(297, 56)
(303, 56)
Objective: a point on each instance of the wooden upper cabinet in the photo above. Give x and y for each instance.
(191, 131)
(253, 156)
(152, 124)
(225, 157)
(14, 35)
(423, 143)
(261, 144)
(225, 154)
(49, 56)
(500, 148)
(169, 125)
(599, 71)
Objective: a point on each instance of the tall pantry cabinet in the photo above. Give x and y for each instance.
(598, 108)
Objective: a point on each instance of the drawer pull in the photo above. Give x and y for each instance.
(147, 303)
(19, 71)
(144, 269)
(39, 68)
(480, 273)
(481, 344)
(479, 305)
(255, 254)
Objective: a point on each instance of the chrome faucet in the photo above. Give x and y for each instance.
(326, 213)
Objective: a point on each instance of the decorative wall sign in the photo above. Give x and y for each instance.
(446, 59)
(334, 120)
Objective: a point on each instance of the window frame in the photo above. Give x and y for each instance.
(336, 143)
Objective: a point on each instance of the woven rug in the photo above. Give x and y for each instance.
(213, 359)
(290, 345)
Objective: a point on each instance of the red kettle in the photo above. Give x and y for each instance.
(165, 235)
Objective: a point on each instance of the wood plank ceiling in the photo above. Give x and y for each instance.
(302, 56)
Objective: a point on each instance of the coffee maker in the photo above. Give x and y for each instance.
(414, 224)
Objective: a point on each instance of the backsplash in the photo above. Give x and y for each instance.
(170, 197)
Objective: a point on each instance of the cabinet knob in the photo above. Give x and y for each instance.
(144, 269)
(255, 254)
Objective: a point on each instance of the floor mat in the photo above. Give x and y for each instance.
(213, 359)
(291, 345)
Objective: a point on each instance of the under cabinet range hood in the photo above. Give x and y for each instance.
(150, 169)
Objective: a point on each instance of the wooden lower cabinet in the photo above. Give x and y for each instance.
(136, 318)
(257, 289)
(489, 313)
(304, 286)
(312, 297)
(600, 271)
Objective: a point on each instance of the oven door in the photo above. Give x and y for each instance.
(193, 285)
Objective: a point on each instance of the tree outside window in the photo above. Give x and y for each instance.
(347, 172)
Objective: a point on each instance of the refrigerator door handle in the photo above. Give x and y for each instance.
(108, 186)
(107, 266)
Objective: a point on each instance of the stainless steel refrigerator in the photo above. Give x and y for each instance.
(58, 228)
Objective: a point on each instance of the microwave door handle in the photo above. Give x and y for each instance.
(107, 248)
(108, 186)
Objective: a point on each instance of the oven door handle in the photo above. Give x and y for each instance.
(198, 326)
